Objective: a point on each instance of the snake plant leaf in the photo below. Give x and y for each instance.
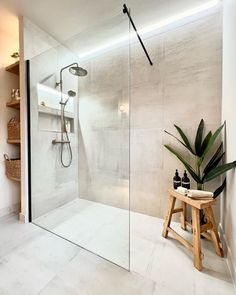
(219, 170)
(178, 140)
(185, 139)
(198, 139)
(205, 142)
(213, 159)
(211, 143)
(220, 189)
(186, 164)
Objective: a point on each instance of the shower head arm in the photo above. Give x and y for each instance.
(62, 69)
(68, 66)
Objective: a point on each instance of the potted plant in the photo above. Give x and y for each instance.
(203, 171)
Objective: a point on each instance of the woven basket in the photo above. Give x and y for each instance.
(12, 168)
(13, 128)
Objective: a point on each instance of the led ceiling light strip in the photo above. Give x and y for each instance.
(180, 16)
(164, 23)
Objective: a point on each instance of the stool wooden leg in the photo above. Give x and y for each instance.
(183, 216)
(196, 238)
(167, 222)
(214, 232)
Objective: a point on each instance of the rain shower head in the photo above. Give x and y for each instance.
(75, 70)
(78, 71)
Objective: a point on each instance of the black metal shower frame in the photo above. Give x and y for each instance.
(27, 65)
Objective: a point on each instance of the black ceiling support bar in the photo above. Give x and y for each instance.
(125, 10)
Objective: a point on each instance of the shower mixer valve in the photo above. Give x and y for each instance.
(54, 141)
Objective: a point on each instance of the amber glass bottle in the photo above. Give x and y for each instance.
(176, 180)
(185, 180)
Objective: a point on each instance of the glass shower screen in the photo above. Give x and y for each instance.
(79, 110)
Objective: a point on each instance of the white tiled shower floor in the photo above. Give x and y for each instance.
(34, 261)
(99, 228)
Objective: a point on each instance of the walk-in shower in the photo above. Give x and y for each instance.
(75, 70)
(89, 202)
(87, 118)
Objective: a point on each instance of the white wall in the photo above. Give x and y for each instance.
(9, 190)
(36, 41)
(228, 114)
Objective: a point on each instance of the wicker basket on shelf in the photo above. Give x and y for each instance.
(13, 128)
(12, 168)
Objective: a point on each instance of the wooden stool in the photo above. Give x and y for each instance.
(198, 230)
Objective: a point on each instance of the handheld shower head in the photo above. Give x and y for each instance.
(78, 71)
(71, 93)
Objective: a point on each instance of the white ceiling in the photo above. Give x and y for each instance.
(63, 19)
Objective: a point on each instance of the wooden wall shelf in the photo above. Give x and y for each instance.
(13, 104)
(13, 141)
(13, 68)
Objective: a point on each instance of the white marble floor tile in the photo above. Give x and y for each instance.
(78, 229)
(171, 266)
(145, 227)
(34, 261)
(60, 287)
(172, 269)
(14, 233)
(112, 245)
(104, 229)
(22, 275)
(54, 218)
(99, 228)
(111, 241)
(53, 252)
(141, 252)
(91, 275)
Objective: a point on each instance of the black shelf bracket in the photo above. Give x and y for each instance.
(126, 10)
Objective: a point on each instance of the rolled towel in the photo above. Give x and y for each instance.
(182, 190)
(197, 194)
